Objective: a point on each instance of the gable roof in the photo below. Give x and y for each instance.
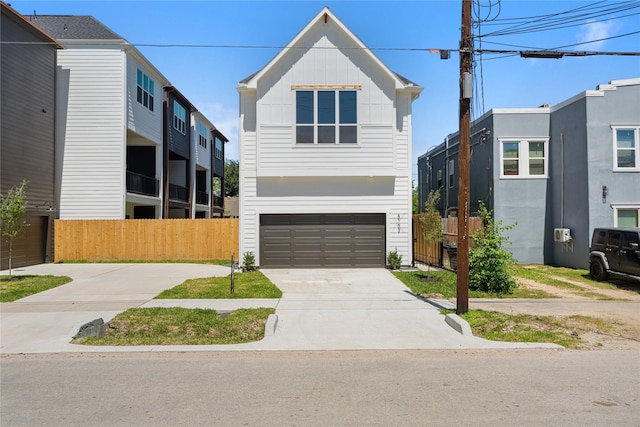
(9, 12)
(326, 14)
(71, 27)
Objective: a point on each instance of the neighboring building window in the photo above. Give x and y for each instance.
(145, 90)
(451, 172)
(202, 135)
(218, 149)
(524, 159)
(439, 178)
(626, 142)
(626, 216)
(326, 117)
(179, 118)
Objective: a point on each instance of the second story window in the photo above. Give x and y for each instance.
(218, 149)
(145, 90)
(626, 143)
(451, 171)
(202, 135)
(326, 117)
(523, 159)
(179, 118)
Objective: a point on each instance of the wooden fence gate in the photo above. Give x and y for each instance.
(434, 253)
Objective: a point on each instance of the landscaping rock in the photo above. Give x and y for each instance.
(95, 328)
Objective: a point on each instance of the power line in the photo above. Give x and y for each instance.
(415, 49)
(563, 19)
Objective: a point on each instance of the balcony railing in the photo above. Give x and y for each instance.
(202, 198)
(141, 184)
(218, 201)
(179, 193)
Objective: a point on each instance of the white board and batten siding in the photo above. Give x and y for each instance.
(91, 133)
(372, 176)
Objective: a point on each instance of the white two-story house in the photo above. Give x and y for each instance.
(325, 154)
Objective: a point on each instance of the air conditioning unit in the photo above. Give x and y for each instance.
(562, 235)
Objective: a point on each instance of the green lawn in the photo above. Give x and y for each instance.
(23, 286)
(442, 284)
(182, 326)
(252, 284)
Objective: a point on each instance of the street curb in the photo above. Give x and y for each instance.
(459, 324)
(271, 325)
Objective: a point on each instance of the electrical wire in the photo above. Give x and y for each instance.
(562, 19)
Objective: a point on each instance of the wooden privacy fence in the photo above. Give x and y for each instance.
(146, 239)
(432, 253)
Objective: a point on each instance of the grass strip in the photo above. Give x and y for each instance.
(251, 284)
(561, 330)
(442, 284)
(182, 326)
(23, 286)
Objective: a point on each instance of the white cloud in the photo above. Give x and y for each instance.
(595, 31)
(225, 119)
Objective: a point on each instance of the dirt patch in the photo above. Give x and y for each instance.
(429, 279)
(618, 308)
(552, 290)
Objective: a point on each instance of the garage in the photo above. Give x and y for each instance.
(322, 240)
(29, 247)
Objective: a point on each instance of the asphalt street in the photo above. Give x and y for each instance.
(533, 387)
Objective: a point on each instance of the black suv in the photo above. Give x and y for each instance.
(615, 250)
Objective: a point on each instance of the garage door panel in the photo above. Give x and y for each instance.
(322, 240)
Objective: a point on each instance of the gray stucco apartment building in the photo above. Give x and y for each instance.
(558, 172)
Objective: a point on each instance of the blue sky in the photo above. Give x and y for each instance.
(394, 29)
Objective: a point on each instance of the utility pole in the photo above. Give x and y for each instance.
(466, 88)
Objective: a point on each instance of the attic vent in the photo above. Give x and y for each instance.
(326, 18)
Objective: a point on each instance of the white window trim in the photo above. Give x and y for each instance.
(523, 157)
(617, 208)
(315, 123)
(614, 129)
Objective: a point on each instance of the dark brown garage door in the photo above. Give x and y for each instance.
(322, 240)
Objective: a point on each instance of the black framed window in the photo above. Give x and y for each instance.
(326, 117)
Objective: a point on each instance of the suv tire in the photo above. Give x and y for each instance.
(597, 270)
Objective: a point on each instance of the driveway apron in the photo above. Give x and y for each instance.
(357, 309)
(323, 309)
(46, 322)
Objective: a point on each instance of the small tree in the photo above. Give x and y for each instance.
(431, 222)
(12, 209)
(231, 177)
(489, 263)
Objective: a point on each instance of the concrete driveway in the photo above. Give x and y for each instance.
(358, 309)
(324, 309)
(46, 322)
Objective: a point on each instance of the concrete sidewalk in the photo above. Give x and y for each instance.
(346, 309)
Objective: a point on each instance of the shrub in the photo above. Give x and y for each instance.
(249, 262)
(489, 263)
(394, 260)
